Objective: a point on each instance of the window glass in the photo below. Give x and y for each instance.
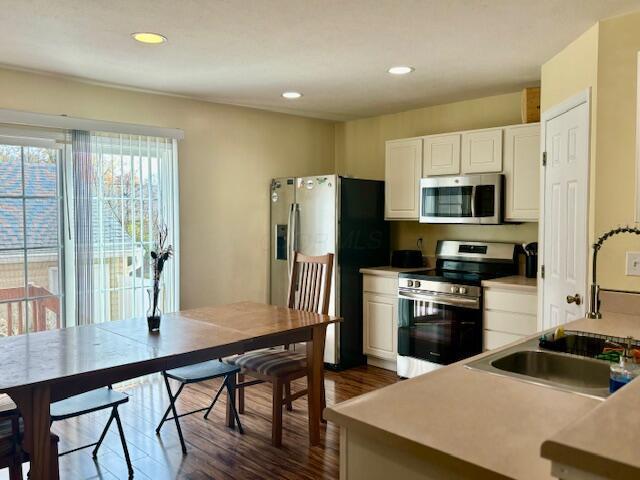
(30, 248)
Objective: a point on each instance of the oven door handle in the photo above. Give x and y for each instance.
(441, 298)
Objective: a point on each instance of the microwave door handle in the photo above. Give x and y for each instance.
(473, 201)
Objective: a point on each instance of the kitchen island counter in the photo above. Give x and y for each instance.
(462, 423)
(605, 441)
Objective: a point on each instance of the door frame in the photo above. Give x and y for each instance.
(559, 109)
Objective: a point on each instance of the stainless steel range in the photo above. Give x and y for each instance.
(440, 311)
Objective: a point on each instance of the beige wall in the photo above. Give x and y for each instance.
(605, 59)
(616, 146)
(360, 152)
(570, 72)
(227, 158)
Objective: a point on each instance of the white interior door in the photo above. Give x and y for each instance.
(565, 214)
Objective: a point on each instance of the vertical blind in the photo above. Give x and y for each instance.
(78, 219)
(135, 190)
(83, 182)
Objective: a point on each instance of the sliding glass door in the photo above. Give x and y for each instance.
(132, 185)
(133, 193)
(31, 247)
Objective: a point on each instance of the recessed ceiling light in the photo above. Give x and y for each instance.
(149, 38)
(291, 95)
(400, 70)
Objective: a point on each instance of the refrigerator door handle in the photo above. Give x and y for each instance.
(292, 235)
(290, 239)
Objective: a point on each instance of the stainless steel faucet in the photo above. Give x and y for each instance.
(594, 294)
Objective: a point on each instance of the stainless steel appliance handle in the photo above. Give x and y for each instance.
(441, 298)
(295, 223)
(473, 201)
(290, 238)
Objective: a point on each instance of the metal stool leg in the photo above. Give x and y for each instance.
(232, 404)
(104, 432)
(240, 390)
(116, 415)
(215, 399)
(172, 406)
(166, 414)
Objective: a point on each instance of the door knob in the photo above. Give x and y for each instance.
(574, 299)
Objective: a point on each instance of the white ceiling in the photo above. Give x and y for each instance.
(336, 52)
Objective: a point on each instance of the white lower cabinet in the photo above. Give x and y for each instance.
(380, 326)
(380, 320)
(509, 315)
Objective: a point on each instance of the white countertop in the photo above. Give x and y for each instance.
(516, 282)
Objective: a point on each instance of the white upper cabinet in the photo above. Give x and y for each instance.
(441, 155)
(513, 150)
(482, 151)
(402, 172)
(522, 172)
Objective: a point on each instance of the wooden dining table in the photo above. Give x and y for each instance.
(37, 369)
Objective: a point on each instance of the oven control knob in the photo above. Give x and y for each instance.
(455, 289)
(416, 283)
(462, 290)
(409, 283)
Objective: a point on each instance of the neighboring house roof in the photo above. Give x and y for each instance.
(42, 214)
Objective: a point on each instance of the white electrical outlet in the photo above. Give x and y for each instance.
(633, 264)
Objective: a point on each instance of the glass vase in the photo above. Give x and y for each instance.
(154, 312)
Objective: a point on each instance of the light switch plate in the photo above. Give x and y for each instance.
(633, 264)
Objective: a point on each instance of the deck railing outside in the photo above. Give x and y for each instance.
(35, 310)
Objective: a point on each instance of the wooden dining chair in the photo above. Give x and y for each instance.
(11, 430)
(309, 290)
(12, 456)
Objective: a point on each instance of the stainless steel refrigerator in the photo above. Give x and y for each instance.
(330, 214)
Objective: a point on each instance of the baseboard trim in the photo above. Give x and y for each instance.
(382, 363)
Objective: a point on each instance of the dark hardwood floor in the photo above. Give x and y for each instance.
(215, 451)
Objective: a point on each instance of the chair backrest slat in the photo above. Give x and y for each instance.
(310, 287)
(307, 295)
(315, 294)
(302, 279)
(311, 303)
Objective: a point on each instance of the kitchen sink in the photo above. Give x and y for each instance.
(529, 363)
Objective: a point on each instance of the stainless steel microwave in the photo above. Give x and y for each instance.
(466, 199)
